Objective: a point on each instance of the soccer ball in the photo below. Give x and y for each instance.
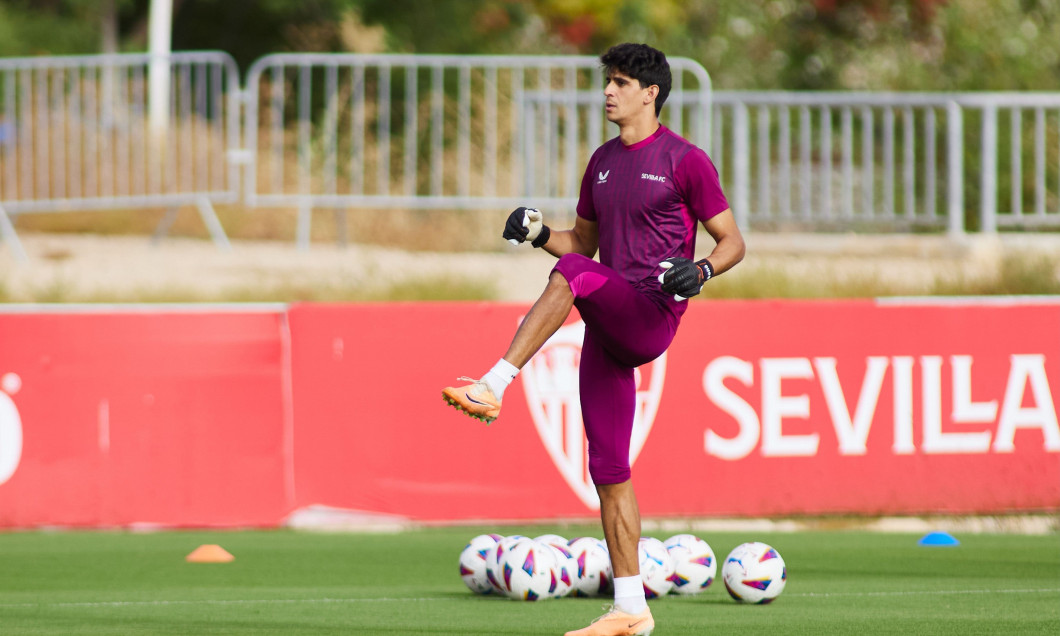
(656, 567)
(754, 573)
(473, 563)
(686, 540)
(529, 570)
(551, 539)
(694, 564)
(592, 574)
(494, 567)
(566, 568)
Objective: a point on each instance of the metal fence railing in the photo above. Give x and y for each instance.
(345, 131)
(890, 160)
(433, 131)
(1018, 160)
(840, 159)
(81, 133)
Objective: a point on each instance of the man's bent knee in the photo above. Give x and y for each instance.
(607, 473)
(557, 277)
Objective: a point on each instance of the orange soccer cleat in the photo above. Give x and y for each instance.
(475, 399)
(618, 623)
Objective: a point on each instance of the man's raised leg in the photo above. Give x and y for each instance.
(482, 398)
(544, 318)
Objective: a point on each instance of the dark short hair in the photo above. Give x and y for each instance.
(644, 64)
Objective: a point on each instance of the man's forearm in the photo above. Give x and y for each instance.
(726, 254)
(567, 241)
(582, 239)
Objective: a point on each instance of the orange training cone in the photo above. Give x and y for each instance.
(209, 553)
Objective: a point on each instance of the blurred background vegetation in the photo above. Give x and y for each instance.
(908, 45)
(877, 45)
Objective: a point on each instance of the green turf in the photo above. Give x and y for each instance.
(294, 583)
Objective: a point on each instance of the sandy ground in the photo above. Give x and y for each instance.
(78, 267)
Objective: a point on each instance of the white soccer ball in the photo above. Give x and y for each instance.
(494, 566)
(529, 571)
(656, 567)
(566, 569)
(473, 563)
(754, 573)
(592, 562)
(687, 540)
(551, 539)
(694, 564)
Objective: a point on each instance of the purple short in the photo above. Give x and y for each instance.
(623, 330)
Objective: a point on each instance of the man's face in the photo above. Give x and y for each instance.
(624, 97)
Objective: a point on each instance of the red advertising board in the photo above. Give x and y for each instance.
(125, 416)
(857, 407)
(759, 408)
(374, 433)
(224, 416)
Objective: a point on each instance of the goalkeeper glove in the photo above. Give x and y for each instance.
(526, 224)
(684, 277)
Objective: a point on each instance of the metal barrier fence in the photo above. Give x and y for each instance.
(428, 131)
(471, 132)
(81, 133)
(889, 161)
(1033, 136)
(797, 158)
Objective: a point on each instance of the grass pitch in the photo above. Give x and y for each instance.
(292, 583)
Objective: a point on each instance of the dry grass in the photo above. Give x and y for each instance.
(1017, 274)
(428, 289)
(414, 230)
(778, 265)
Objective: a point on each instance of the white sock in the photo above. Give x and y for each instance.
(629, 594)
(500, 376)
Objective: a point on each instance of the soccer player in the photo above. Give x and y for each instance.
(641, 198)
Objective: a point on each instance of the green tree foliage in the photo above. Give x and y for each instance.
(458, 26)
(925, 45)
(922, 45)
(248, 29)
(928, 45)
(48, 27)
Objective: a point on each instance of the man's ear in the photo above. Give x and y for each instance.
(653, 92)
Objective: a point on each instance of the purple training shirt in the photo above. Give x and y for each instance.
(647, 199)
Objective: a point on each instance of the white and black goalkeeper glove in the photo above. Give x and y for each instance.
(684, 277)
(525, 224)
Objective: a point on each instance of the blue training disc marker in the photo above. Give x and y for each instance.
(938, 538)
